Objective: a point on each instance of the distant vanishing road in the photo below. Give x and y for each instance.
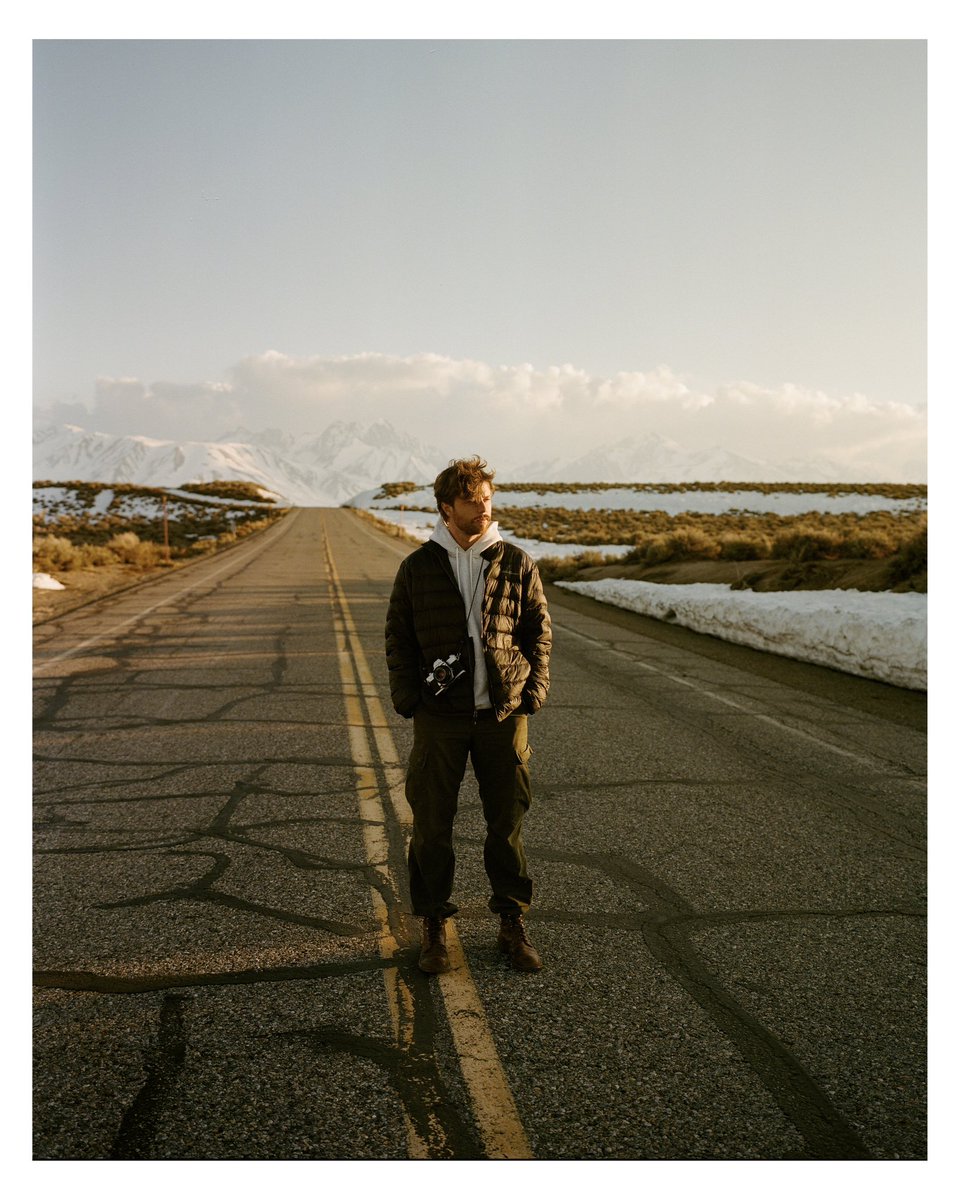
(728, 854)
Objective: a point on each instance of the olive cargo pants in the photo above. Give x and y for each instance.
(499, 752)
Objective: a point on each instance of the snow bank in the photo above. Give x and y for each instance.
(879, 635)
(561, 549)
(42, 580)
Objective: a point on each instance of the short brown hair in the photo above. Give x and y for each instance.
(463, 479)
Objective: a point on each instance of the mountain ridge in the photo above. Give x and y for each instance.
(346, 458)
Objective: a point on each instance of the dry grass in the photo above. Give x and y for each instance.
(659, 537)
(230, 489)
(553, 567)
(906, 570)
(74, 536)
(893, 491)
(388, 527)
(800, 543)
(389, 490)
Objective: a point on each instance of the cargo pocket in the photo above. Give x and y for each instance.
(417, 768)
(521, 776)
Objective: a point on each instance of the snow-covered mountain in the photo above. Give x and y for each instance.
(310, 470)
(347, 458)
(347, 452)
(656, 459)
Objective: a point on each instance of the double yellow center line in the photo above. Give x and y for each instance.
(494, 1109)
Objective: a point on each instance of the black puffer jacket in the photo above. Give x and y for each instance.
(427, 621)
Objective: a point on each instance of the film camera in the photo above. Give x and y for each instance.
(445, 672)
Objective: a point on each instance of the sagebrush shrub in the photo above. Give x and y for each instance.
(657, 549)
(868, 545)
(148, 554)
(53, 553)
(740, 547)
(805, 542)
(95, 556)
(552, 567)
(589, 558)
(910, 560)
(687, 541)
(126, 546)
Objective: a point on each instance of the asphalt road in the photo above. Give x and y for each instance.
(728, 854)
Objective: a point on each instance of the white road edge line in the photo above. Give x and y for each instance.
(864, 760)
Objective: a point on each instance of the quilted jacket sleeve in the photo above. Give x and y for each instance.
(403, 651)
(536, 639)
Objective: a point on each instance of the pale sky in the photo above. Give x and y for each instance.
(723, 241)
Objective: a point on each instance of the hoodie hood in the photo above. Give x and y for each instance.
(468, 568)
(446, 539)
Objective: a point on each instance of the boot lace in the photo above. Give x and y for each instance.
(517, 928)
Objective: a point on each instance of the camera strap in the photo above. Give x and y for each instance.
(475, 586)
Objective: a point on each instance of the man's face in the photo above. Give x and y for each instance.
(471, 516)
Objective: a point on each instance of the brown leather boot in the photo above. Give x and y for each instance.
(433, 947)
(513, 940)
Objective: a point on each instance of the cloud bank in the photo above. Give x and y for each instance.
(519, 413)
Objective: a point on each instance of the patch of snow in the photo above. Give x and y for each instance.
(672, 503)
(42, 580)
(56, 502)
(49, 497)
(421, 524)
(267, 501)
(879, 635)
(537, 549)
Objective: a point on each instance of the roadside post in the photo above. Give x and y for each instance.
(166, 532)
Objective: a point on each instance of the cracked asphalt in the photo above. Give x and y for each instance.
(729, 864)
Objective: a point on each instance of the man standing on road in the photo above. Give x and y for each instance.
(468, 647)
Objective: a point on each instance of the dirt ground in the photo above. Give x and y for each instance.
(86, 585)
(766, 575)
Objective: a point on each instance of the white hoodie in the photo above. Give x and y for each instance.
(468, 569)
